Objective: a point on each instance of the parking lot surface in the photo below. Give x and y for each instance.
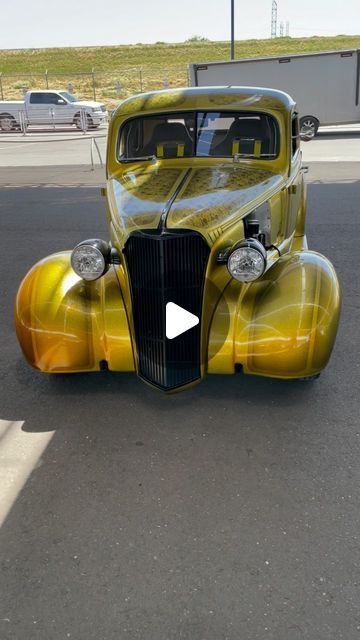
(224, 512)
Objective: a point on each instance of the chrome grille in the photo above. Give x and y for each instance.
(166, 267)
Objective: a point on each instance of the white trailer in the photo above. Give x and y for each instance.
(325, 85)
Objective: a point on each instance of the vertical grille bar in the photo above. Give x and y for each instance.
(166, 267)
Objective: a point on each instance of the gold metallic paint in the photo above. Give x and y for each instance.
(66, 324)
(205, 98)
(283, 325)
(213, 197)
(141, 195)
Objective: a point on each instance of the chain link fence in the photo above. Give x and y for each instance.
(109, 87)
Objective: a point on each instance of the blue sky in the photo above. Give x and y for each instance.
(85, 22)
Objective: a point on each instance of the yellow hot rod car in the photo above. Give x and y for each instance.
(207, 269)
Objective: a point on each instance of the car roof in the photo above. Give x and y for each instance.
(209, 98)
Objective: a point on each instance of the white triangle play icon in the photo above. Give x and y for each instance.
(178, 320)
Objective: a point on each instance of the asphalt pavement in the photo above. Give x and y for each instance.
(226, 512)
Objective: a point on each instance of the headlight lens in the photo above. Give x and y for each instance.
(89, 259)
(247, 261)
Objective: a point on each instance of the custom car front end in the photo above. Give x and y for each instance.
(206, 207)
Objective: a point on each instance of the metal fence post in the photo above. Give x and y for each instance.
(92, 154)
(46, 79)
(98, 151)
(118, 88)
(93, 82)
(22, 122)
(83, 120)
(52, 114)
(94, 144)
(1, 87)
(141, 79)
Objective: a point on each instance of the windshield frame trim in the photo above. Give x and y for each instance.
(122, 160)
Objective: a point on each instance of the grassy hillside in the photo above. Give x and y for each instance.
(136, 67)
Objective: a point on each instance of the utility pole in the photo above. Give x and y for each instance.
(274, 19)
(232, 36)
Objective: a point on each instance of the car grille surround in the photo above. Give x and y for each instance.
(166, 266)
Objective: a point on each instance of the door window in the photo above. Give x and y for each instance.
(44, 98)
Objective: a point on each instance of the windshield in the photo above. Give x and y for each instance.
(201, 134)
(68, 96)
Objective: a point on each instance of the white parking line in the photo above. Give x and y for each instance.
(20, 453)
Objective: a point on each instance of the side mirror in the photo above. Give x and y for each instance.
(60, 101)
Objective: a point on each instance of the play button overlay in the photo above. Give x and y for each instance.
(178, 320)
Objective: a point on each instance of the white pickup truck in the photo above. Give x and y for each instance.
(49, 107)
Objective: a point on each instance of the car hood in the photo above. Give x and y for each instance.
(87, 103)
(206, 199)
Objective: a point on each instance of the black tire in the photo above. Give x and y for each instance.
(77, 121)
(309, 127)
(7, 122)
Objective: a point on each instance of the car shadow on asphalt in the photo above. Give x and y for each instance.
(114, 393)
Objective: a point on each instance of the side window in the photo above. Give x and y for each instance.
(295, 133)
(44, 98)
(52, 98)
(37, 98)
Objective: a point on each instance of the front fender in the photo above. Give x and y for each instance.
(282, 326)
(65, 324)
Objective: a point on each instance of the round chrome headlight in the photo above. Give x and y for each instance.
(247, 261)
(89, 259)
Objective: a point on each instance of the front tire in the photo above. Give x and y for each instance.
(7, 122)
(78, 124)
(309, 127)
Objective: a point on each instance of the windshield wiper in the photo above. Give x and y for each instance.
(241, 156)
(125, 160)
